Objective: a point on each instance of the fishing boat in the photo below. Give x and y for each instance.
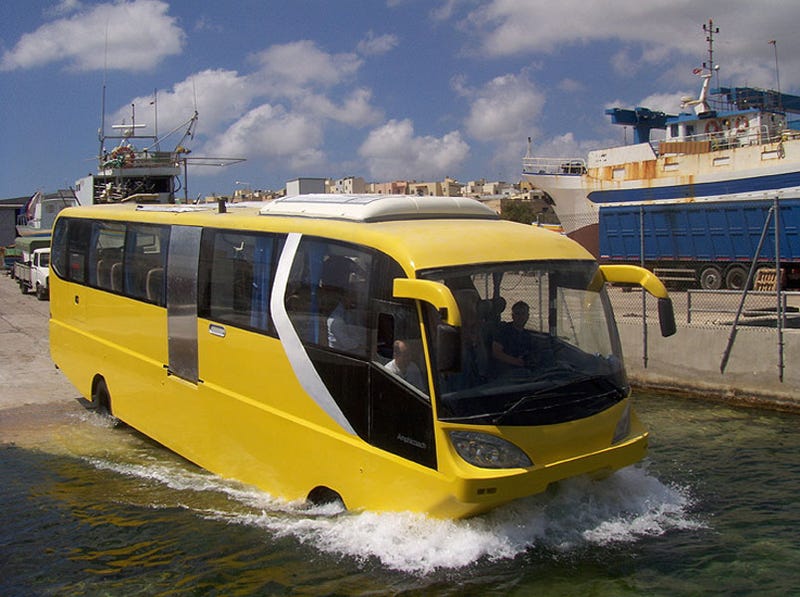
(696, 200)
(136, 168)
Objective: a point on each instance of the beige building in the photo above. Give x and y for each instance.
(350, 185)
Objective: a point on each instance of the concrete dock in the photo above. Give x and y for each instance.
(27, 375)
(756, 373)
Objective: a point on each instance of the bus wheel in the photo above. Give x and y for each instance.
(736, 277)
(101, 398)
(322, 496)
(711, 278)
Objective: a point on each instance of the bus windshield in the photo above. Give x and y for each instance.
(538, 344)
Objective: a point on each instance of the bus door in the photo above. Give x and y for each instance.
(184, 252)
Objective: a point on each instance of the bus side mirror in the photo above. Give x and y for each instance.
(666, 317)
(633, 274)
(431, 292)
(448, 348)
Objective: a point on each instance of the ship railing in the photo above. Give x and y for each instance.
(718, 140)
(143, 159)
(551, 166)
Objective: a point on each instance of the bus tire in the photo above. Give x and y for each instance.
(101, 398)
(736, 277)
(710, 278)
(321, 496)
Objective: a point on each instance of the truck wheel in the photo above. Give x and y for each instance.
(711, 278)
(40, 294)
(736, 278)
(22, 288)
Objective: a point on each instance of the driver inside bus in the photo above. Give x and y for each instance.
(512, 346)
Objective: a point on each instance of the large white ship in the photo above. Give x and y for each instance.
(730, 154)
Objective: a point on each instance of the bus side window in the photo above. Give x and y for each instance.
(237, 272)
(108, 242)
(79, 232)
(58, 257)
(145, 250)
(327, 295)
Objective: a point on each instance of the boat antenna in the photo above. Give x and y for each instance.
(774, 44)
(154, 103)
(101, 132)
(710, 31)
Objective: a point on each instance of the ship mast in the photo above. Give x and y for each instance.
(710, 31)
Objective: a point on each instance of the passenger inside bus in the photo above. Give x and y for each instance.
(344, 331)
(403, 365)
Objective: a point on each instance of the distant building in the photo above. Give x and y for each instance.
(474, 188)
(254, 195)
(451, 187)
(396, 187)
(9, 210)
(305, 186)
(425, 189)
(350, 185)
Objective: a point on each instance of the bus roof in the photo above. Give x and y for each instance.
(378, 208)
(434, 238)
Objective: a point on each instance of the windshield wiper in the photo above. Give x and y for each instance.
(551, 389)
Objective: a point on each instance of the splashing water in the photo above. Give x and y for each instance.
(575, 514)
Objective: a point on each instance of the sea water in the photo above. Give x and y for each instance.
(88, 507)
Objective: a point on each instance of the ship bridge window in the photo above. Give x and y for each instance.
(674, 131)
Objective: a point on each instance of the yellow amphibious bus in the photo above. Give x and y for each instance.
(395, 353)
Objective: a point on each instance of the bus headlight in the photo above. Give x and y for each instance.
(488, 451)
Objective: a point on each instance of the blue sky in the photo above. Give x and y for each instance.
(383, 89)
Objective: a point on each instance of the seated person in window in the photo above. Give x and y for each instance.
(344, 331)
(403, 365)
(512, 345)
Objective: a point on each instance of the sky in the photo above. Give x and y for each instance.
(381, 89)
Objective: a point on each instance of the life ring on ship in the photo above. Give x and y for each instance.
(124, 155)
(712, 126)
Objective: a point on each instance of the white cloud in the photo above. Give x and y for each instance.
(63, 8)
(373, 45)
(297, 66)
(503, 107)
(571, 85)
(392, 151)
(565, 146)
(80, 40)
(277, 115)
(356, 109)
(657, 32)
(666, 102)
(269, 131)
(221, 96)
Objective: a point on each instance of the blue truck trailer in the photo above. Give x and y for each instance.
(706, 244)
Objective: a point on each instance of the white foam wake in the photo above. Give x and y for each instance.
(578, 513)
